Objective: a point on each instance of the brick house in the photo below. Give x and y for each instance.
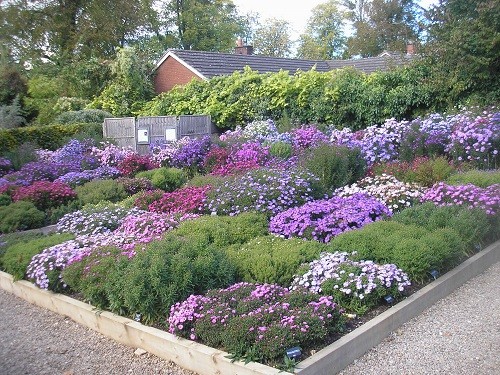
(179, 67)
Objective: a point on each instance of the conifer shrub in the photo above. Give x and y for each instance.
(18, 256)
(93, 192)
(335, 166)
(271, 259)
(20, 215)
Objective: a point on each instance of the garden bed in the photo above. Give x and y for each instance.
(205, 360)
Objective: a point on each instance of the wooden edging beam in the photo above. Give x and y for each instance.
(205, 360)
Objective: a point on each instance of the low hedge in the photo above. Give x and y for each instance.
(421, 238)
(476, 177)
(414, 249)
(167, 179)
(16, 258)
(222, 231)
(20, 215)
(271, 259)
(48, 137)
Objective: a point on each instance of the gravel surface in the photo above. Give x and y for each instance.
(35, 341)
(458, 335)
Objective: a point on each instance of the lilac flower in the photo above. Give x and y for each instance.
(322, 220)
(262, 190)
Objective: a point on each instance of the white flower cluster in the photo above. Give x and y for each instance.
(387, 189)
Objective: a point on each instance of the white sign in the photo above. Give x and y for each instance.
(142, 136)
(170, 134)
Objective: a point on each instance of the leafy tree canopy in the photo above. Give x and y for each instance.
(324, 37)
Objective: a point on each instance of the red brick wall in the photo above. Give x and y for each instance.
(172, 73)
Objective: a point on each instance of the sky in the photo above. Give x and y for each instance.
(295, 12)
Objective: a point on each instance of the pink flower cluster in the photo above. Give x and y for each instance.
(487, 199)
(45, 194)
(185, 200)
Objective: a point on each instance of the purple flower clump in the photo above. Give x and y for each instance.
(192, 153)
(79, 178)
(321, 220)
(263, 190)
(307, 136)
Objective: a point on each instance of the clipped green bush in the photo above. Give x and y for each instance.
(5, 200)
(204, 180)
(271, 259)
(93, 192)
(168, 179)
(335, 166)
(415, 248)
(48, 137)
(167, 271)
(476, 177)
(222, 231)
(423, 171)
(92, 275)
(473, 225)
(281, 150)
(20, 215)
(17, 257)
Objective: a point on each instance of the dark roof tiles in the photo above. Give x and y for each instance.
(211, 64)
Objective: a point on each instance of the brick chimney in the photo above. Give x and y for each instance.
(241, 49)
(410, 48)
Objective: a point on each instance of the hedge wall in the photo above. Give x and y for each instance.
(344, 97)
(48, 137)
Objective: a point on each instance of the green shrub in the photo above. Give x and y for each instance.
(271, 259)
(96, 191)
(222, 231)
(204, 180)
(167, 271)
(412, 248)
(168, 179)
(476, 177)
(84, 116)
(91, 276)
(473, 226)
(25, 153)
(18, 256)
(368, 240)
(20, 215)
(49, 137)
(281, 150)
(5, 200)
(423, 171)
(335, 166)
(54, 214)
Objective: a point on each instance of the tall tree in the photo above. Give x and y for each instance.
(57, 30)
(383, 25)
(206, 25)
(324, 37)
(273, 38)
(463, 49)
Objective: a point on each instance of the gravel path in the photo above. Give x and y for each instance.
(35, 341)
(458, 335)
